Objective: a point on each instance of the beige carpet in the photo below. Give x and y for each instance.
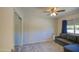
(49, 46)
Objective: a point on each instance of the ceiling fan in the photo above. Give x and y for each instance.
(53, 11)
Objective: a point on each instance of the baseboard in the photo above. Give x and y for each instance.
(37, 42)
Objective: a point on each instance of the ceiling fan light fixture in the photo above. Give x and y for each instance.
(53, 11)
(53, 14)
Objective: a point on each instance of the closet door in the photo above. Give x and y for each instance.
(18, 30)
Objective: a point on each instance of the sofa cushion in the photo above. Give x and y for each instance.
(66, 41)
(62, 42)
(63, 35)
(68, 37)
(77, 39)
(71, 38)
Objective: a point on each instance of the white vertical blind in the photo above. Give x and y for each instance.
(70, 26)
(73, 26)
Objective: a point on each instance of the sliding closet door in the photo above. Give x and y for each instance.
(18, 30)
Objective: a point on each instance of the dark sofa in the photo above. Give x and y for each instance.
(66, 39)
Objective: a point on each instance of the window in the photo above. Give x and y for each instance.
(70, 28)
(76, 29)
(73, 26)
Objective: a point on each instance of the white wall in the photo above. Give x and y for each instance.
(37, 28)
(6, 29)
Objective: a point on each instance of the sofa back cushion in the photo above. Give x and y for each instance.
(72, 38)
(69, 37)
(63, 35)
(77, 39)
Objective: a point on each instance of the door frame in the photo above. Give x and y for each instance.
(15, 12)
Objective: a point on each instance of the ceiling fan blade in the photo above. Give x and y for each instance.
(55, 8)
(60, 11)
(45, 11)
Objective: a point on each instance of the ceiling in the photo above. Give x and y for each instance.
(38, 11)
